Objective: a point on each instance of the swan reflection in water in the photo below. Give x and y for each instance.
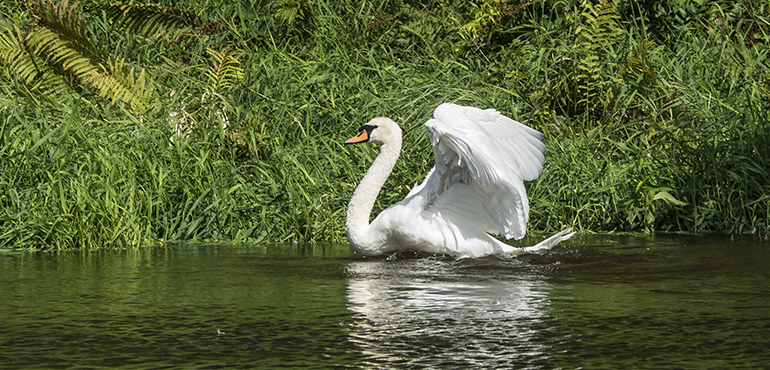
(447, 312)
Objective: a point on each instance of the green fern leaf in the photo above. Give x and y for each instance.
(151, 21)
(598, 34)
(37, 76)
(116, 82)
(225, 72)
(59, 39)
(288, 10)
(68, 24)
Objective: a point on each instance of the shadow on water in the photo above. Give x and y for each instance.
(597, 302)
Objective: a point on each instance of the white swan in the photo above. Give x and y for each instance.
(476, 187)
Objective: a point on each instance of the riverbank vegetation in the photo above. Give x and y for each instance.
(126, 125)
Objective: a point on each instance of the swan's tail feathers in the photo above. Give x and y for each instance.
(552, 241)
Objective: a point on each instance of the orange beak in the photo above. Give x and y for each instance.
(362, 137)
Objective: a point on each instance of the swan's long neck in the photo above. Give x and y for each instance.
(362, 201)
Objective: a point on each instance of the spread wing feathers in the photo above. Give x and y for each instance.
(492, 154)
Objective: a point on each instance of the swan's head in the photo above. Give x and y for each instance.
(380, 130)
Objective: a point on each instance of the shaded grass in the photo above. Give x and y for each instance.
(683, 115)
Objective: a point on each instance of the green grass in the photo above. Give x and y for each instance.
(641, 115)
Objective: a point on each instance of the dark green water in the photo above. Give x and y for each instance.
(606, 302)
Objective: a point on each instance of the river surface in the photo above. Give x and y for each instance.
(599, 302)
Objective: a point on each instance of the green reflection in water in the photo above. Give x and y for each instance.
(278, 306)
(662, 302)
(597, 302)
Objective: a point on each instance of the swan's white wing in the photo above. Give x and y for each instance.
(489, 152)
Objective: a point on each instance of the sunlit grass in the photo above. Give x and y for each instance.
(685, 113)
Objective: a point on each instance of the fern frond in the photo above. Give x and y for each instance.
(57, 50)
(600, 27)
(151, 21)
(67, 24)
(488, 17)
(117, 82)
(597, 33)
(225, 72)
(58, 37)
(37, 76)
(607, 27)
(290, 10)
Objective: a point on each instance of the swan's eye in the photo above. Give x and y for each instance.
(368, 129)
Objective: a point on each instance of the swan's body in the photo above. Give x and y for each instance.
(475, 188)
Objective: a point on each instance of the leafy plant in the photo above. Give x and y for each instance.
(289, 10)
(56, 46)
(38, 77)
(151, 21)
(597, 35)
(487, 18)
(57, 49)
(644, 207)
(225, 71)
